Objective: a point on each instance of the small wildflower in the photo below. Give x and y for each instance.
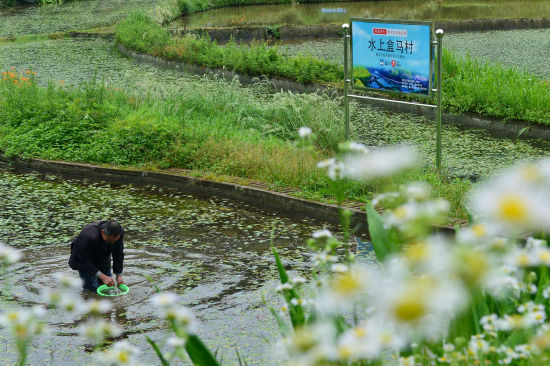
(324, 233)
(164, 299)
(176, 341)
(448, 347)
(304, 132)
(339, 268)
(334, 168)
(67, 281)
(406, 361)
(297, 302)
(121, 353)
(96, 307)
(9, 255)
(298, 280)
(96, 331)
(182, 317)
(322, 258)
(283, 286)
(380, 163)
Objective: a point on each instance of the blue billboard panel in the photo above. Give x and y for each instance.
(392, 56)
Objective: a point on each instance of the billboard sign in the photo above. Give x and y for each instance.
(393, 56)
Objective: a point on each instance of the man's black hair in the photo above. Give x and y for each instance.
(111, 227)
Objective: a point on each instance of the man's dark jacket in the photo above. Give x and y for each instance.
(90, 253)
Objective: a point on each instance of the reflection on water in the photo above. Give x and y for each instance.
(215, 253)
(326, 13)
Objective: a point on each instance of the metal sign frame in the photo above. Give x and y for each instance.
(433, 43)
(404, 22)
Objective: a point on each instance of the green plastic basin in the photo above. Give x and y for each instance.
(105, 290)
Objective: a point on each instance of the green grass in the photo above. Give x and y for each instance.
(212, 127)
(141, 33)
(494, 90)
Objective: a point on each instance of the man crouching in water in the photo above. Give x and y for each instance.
(91, 254)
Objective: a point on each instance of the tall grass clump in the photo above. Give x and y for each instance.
(141, 33)
(494, 90)
(208, 126)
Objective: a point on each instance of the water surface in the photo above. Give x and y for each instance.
(340, 12)
(215, 253)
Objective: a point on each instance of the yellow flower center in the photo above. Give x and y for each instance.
(21, 331)
(123, 357)
(512, 208)
(523, 260)
(474, 266)
(344, 351)
(400, 212)
(544, 256)
(530, 173)
(410, 306)
(347, 284)
(360, 332)
(479, 230)
(416, 252)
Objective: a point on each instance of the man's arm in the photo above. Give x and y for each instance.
(118, 259)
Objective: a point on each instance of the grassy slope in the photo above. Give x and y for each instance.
(214, 127)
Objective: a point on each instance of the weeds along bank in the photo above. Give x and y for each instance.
(484, 88)
(142, 34)
(212, 127)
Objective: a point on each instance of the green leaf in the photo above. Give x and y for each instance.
(280, 268)
(148, 278)
(199, 354)
(283, 328)
(163, 360)
(543, 281)
(379, 236)
(296, 312)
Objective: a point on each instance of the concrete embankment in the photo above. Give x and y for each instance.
(253, 193)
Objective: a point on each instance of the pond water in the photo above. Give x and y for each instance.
(215, 253)
(340, 12)
(74, 15)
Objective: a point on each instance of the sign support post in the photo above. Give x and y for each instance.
(439, 34)
(346, 79)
